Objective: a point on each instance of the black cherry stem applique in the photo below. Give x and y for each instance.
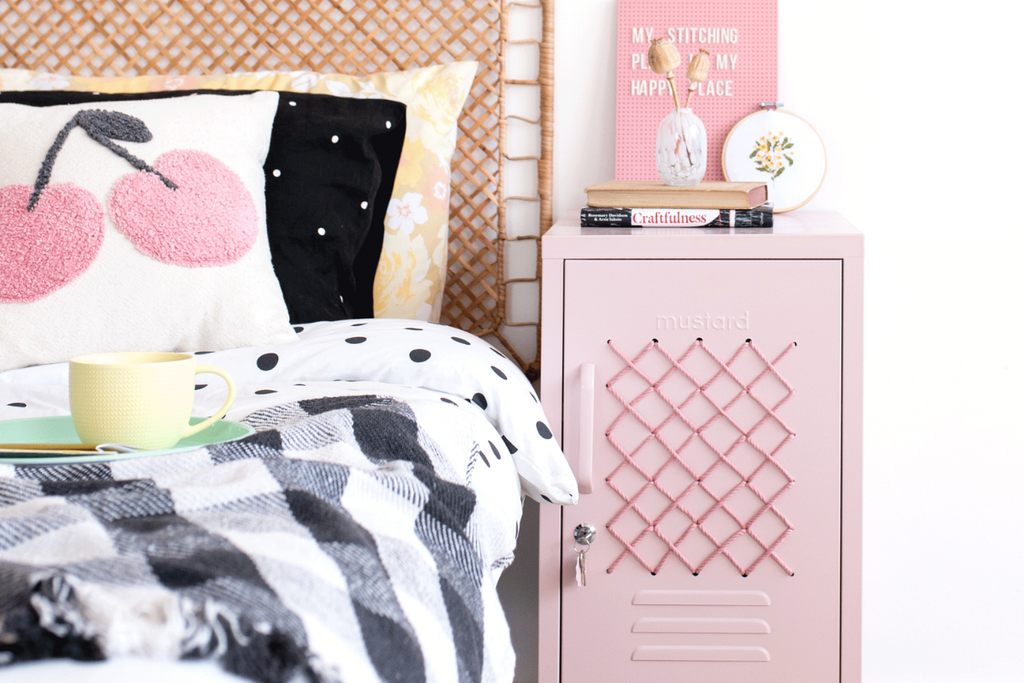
(104, 127)
(58, 236)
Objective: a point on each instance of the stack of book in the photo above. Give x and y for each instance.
(652, 204)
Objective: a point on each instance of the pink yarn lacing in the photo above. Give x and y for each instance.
(721, 502)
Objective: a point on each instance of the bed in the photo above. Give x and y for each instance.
(347, 195)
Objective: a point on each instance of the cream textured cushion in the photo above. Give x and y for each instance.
(111, 258)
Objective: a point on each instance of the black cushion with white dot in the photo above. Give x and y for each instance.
(338, 162)
(329, 172)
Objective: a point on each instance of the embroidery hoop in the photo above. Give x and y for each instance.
(798, 183)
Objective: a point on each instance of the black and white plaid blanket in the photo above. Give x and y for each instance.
(353, 538)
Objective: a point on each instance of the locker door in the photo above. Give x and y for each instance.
(716, 470)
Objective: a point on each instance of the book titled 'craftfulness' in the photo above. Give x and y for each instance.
(604, 217)
(652, 194)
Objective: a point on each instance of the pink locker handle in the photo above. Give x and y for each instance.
(585, 464)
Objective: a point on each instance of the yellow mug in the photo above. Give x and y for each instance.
(142, 400)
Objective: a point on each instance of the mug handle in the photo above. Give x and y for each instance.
(200, 426)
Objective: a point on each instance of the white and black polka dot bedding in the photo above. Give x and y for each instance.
(358, 533)
(391, 352)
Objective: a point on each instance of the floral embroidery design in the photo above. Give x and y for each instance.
(773, 155)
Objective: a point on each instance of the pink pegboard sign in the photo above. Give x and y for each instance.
(742, 37)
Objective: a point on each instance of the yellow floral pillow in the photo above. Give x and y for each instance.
(414, 259)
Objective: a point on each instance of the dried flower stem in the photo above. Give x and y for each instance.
(672, 87)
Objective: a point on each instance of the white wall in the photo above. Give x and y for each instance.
(918, 105)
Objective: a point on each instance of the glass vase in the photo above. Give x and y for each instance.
(681, 148)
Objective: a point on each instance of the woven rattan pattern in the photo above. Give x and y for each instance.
(121, 38)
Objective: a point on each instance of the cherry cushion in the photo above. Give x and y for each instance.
(413, 267)
(90, 247)
(329, 172)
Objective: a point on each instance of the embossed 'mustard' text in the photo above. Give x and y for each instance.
(707, 321)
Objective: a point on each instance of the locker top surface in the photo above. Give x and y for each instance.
(799, 234)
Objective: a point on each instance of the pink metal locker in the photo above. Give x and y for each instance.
(705, 385)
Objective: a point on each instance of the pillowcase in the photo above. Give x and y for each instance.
(135, 226)
(328, 158)
(414, 260)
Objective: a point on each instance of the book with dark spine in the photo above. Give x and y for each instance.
(604, 217)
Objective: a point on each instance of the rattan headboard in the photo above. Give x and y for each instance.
(120, 37)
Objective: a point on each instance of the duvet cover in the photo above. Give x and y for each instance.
(356, 535)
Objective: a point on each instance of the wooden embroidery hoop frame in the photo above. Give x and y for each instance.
(766, 108)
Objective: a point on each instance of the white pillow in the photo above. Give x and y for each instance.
(112, 258)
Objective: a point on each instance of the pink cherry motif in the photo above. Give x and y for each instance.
(208, 220)
(46, 248)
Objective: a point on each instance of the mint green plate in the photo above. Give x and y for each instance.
(61, 430)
